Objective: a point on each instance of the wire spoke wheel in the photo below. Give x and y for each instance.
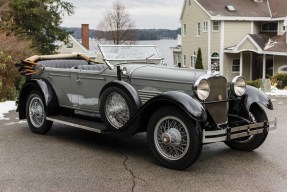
(36, 112)
(117, 110)
(174, 138)
(171, 138)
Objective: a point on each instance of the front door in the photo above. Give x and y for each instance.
(86, 86)
(257, 64)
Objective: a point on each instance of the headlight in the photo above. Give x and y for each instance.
(202, 89)
(238, 86)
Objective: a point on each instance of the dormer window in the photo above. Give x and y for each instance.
(269, 27)
(230, 8)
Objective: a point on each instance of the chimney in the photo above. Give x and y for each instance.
(85, 36)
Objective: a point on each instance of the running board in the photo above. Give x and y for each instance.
(79, 123)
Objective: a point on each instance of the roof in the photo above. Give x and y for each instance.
(267, 44)
(243, 8)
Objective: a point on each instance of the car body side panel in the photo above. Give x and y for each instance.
(85, 89)
(60, 79)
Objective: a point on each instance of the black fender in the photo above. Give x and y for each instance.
(253, 95)
(130, 90)
(241, 106)
(47, 91)
(192, 107)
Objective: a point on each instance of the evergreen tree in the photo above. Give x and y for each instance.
(198, 63)
(39, 21)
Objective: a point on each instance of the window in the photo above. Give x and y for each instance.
(236, 65)
(198, 29)
(269, 27)
(284, 28)
(70, 45)
(184, 30)
(215, 61)
(205, 28)
(184, 60)
(215, 25)
(193, 59)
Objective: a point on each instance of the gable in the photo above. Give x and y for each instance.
(247, 45)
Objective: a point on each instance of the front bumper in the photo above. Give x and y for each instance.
(237, 132)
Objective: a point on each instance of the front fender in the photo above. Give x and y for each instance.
(185, 102)
(130, 90)
(253, 95)
(51, 100)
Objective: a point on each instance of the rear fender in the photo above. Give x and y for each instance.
(47, 91)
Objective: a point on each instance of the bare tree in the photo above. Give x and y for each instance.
(117, 26)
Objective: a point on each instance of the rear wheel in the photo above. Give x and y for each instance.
(36, 113)
(257, 114)
(174, 138)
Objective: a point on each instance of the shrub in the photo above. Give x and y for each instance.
(255, 83)
(282, 78)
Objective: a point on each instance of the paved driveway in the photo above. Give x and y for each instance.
(69, 159)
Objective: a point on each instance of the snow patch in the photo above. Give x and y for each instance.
(5, 108)
(277, 92)
(270, 44)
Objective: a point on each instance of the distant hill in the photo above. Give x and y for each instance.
(142, 34)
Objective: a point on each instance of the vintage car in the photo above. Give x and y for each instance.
(131, 92)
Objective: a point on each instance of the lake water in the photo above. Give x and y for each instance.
(163, 46)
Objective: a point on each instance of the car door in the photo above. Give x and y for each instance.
(85, 88)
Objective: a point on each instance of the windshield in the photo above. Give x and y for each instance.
(115, 54)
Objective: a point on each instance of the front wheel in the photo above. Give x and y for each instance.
(250, 143)
(174, 138)
(36, 113)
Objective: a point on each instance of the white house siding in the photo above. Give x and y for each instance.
(235, 31)
(77, 48)
(247, 45)
(278, 62)
(192, 15)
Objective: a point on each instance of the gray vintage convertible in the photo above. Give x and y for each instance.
(132, 92)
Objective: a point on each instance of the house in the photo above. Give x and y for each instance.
(74, 46)
(245, 37)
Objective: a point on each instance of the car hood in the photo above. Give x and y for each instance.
(163, 73)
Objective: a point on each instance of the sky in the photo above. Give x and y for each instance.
(147, 14)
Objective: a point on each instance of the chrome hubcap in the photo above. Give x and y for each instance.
(171, 138)
(117, 110)
(36, 112)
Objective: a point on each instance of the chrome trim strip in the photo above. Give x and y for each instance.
(74, 125)
(238, 132)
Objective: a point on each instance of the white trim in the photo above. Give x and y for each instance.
(209, 45)
(235, 50)
(202, 8)
(252, 27)
(241, 64)
(221, 61)
(270, 12)
(228, 18)
(182, 11)
(264, 67)
(251, 64)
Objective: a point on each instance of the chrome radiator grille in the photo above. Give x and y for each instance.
(147, 95)
(217, 104)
